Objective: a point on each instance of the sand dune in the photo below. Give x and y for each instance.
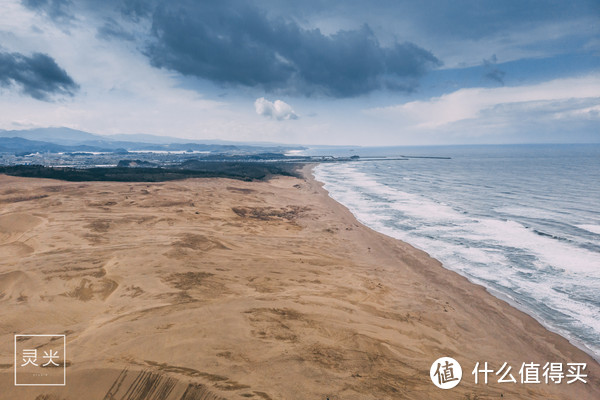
(220, 289)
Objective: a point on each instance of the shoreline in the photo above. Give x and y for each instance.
(308, 173)
(264, 290)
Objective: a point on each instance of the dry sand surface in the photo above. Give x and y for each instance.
(221, 289)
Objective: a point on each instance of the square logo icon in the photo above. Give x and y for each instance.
(40, 360)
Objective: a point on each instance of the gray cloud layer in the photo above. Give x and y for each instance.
(264, 43)
(491, 70)
(234, 43)
(471, 19)
(37, 76)
(56, 9)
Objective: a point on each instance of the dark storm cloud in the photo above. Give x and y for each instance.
(235, 43)
(443, 18)
(113, 30)
(55, 9)
(266, 43)
(65, 10)
(492, 72)
(457, 18)
(496, 75)
(37, 76)
(136, 8)
(474, 19)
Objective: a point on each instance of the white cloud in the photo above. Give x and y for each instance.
(119, 91)
(278, 109)
(557, 99)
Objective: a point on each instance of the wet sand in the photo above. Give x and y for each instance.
(221, 289)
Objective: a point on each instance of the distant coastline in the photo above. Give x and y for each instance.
(492, 218)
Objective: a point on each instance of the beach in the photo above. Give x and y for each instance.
(223, 289)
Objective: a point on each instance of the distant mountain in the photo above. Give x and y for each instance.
(19, 145)
(68, 136)
(72, 140)
(65, 136)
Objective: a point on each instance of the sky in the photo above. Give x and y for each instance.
(320, 72)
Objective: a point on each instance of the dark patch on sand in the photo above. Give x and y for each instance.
(288, 213)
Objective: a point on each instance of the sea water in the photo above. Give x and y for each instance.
(523, 220)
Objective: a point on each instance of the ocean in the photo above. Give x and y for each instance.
(521, 220)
